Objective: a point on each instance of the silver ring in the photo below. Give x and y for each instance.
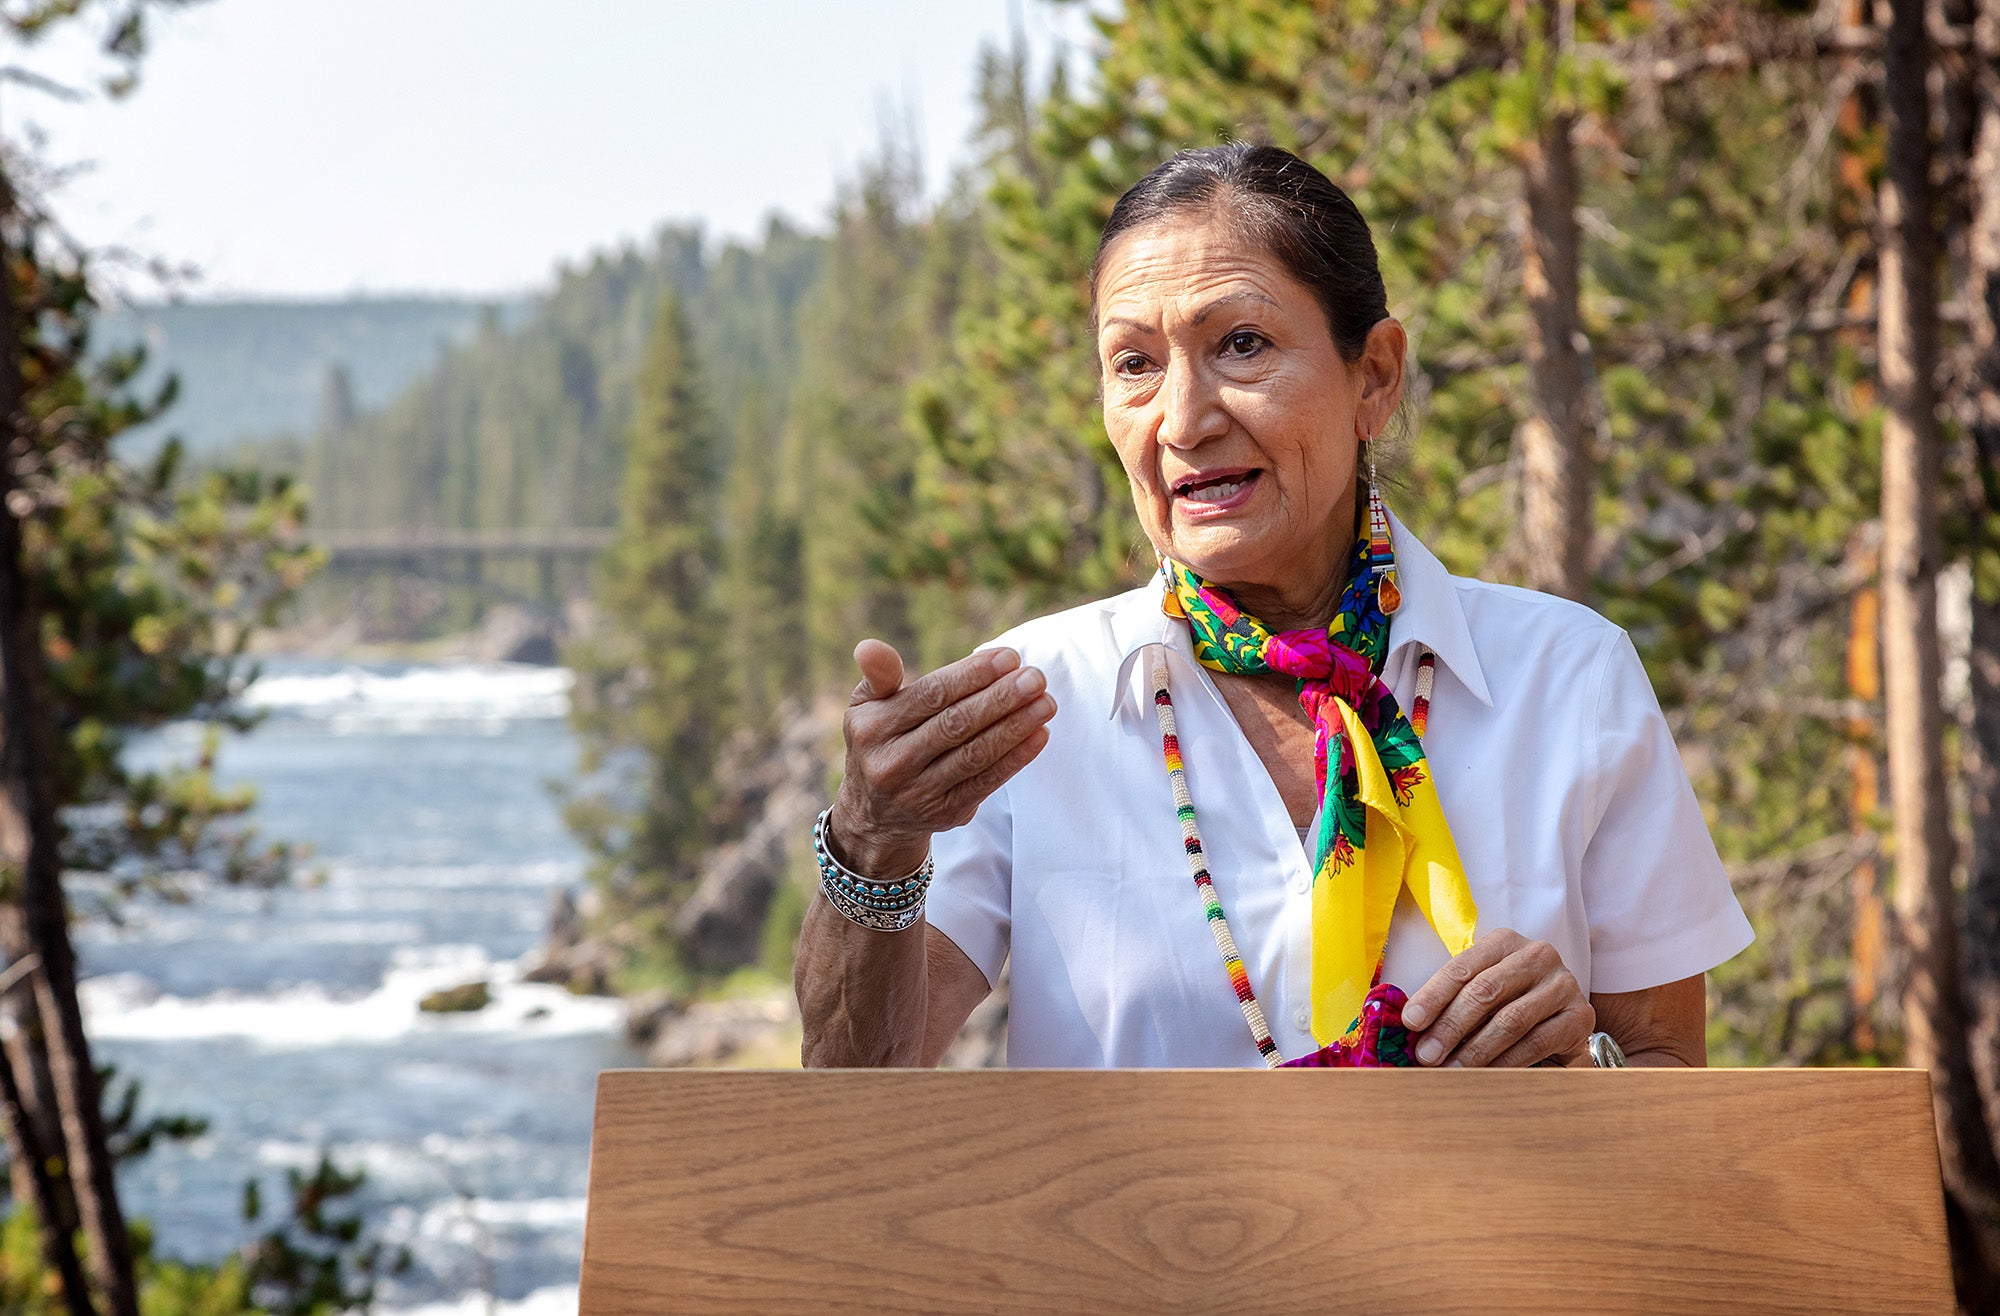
(1605, 1053)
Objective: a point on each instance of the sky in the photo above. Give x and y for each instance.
(314, 148)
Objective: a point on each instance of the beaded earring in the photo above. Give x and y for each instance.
(1381, 556)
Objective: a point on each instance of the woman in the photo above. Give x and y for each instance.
(1379, 777)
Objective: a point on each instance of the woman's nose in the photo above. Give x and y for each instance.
(1190, 410)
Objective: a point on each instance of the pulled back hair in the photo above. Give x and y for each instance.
(1284, 205)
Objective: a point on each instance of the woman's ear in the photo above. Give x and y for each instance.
(1381, 373)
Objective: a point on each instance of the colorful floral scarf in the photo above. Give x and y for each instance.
(1381, 826)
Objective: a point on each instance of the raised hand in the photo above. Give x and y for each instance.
(921, 757)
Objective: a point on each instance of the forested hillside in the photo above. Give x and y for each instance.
(523, 426)
(254, 370)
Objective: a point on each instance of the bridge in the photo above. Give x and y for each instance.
(462, 556)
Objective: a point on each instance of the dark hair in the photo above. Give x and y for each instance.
(1290, 209)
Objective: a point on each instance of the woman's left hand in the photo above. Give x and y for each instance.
(1503, 1002)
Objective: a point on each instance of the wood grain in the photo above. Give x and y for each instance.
(1199, 1190)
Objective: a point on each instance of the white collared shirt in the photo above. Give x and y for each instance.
(1566, 797)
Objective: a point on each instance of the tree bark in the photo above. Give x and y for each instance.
(34, 915)
(30, 1060)
(1864, 687)
(1981, 968)
(1558, 477)
(29, 1164)
(1982, 888)
(1934, 1016)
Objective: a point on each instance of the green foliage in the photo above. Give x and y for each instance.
(317, 1260)
(880, 316)
(166, 1287)
(320, 1258)
(524, 427)
(653, 679)
(130, 1134)
(257, 370)
(151, 584)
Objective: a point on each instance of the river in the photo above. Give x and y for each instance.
(288, 1018)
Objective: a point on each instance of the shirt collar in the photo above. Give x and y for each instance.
(1431, 615)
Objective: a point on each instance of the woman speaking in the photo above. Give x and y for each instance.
(1232, 817)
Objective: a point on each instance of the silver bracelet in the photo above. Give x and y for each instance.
(1605, 1052)
(880, 906)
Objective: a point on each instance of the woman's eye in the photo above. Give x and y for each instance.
(1243, 343)
(1129, 365)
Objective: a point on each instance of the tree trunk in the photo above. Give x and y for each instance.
(1558, 479)
(1864, 687)
(29, 1164)
(30, 1060)
(1982, 889)
(33, 912)
(1934, 1017)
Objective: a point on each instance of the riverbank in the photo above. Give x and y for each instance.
(504, 633)
(289, 1019)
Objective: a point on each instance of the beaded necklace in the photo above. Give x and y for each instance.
(1218, 922)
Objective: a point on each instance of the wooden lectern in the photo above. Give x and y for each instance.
(1246, 1191)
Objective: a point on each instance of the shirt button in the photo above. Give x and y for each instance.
(1300, 883)
(1303, 1016)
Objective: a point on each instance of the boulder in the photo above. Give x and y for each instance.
(568, 958)
(649, 1012)
(772, 799)
(711, 1032)
(462, 999)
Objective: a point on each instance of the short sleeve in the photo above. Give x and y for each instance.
(971, 895)
(1658, 902)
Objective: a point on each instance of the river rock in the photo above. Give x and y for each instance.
(649, 1012)
(569, 958)
(462, 999)
(711, 1032)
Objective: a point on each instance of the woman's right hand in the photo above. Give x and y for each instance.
(921, 757)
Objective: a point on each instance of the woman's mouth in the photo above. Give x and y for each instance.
(1221, 492)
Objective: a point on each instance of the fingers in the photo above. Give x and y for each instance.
(964, 799)
(1563, 1035)
(961, 723)
(1430, 1000)
(928, 696)
(881, 671)
(1544, 1017)
(1501, 990)
(983, 750)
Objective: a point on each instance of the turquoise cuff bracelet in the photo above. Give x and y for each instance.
(881, 906)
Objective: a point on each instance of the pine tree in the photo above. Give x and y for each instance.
(848, 462)
(654, 681)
